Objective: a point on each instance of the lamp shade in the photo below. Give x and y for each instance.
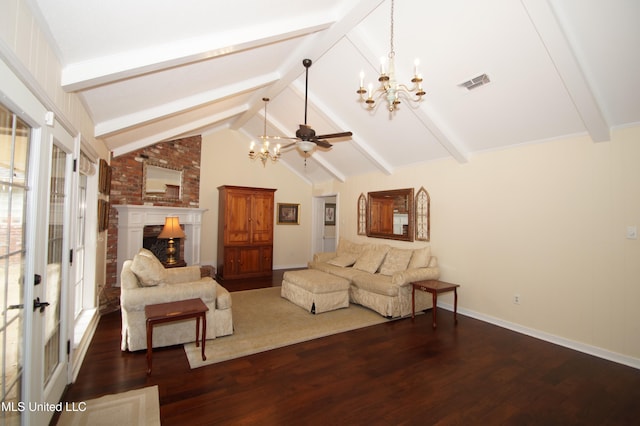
(171, 228)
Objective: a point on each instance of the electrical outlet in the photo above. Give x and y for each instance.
(516, 299)
(632, 232)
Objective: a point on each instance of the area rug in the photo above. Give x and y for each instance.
(136, 407)
(263, 320)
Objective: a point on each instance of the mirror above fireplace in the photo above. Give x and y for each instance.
(161, 182)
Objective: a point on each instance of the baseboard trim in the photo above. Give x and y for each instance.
(551, 338)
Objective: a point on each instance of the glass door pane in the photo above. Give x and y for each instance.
(79, 251)
(54, 260)
(14, 144)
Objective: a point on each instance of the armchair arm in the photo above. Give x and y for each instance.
(182, 274)
(137, 298)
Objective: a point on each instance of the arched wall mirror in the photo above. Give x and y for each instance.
(362, 215)
(423, 222)
(160, 182)
(391, 214)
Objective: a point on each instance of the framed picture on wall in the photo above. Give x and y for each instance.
(288, 214)
(104, 177)
(103, 215)
(329, 214)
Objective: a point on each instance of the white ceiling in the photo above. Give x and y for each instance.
(156, 70)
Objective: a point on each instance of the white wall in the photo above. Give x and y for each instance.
(25, 48)
(225, 161)
(544, 221)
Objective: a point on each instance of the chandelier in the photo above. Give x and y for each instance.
(389, 88)
(265, 153)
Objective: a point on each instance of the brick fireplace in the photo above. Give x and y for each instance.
(126, 189)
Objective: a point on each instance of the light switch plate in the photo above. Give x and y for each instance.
(632, 232)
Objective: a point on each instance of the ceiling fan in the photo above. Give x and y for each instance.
(306, 138)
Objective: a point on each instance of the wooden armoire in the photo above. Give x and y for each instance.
(245, 232)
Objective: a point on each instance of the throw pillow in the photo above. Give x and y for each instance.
(372, 258)
(396, 260)
(343, 260)
(348, 247)
(148, 268)
(420, 258)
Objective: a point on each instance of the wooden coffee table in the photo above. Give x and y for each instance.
(434, 287)
(175, 311)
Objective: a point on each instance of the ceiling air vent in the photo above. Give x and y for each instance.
(478, 81)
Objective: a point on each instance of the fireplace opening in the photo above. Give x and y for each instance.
(158, 246)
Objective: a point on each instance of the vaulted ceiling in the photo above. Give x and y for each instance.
(151, 71)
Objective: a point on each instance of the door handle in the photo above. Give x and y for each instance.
(37, 304)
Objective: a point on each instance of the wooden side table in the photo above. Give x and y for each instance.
(175, 311)
(434, 287)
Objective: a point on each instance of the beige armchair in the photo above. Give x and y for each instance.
(144, 281)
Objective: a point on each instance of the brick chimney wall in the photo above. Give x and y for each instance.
(126, 188)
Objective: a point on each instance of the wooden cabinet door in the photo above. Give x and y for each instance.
(230, 263)
(266, 258)
(249, 261)
(238, 218)
(262, 218)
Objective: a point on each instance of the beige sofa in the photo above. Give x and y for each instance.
(380, 276)
(144, 281)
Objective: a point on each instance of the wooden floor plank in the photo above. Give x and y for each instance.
(401, 372)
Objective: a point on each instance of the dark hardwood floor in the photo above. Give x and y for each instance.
(398, 373)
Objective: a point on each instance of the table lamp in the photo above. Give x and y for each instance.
(170, 231)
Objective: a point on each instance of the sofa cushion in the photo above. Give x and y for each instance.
(148, 268)
(347, 273)
(372, 258)
(348, 247)
(376, 283)
(420, 258)
(316, 281)
(396, 260)
(343, 260)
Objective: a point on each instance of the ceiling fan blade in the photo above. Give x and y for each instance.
(322, 143)
(289, 145)
(335, 135)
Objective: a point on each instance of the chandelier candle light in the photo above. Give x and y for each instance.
(389, 87)
(265, 152)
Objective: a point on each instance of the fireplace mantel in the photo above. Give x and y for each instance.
(133, 218)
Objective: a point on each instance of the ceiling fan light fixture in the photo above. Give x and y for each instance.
(305, 146)
(306, 139)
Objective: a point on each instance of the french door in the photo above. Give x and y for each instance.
(36, 176)
(14, 153)
(54, 291)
